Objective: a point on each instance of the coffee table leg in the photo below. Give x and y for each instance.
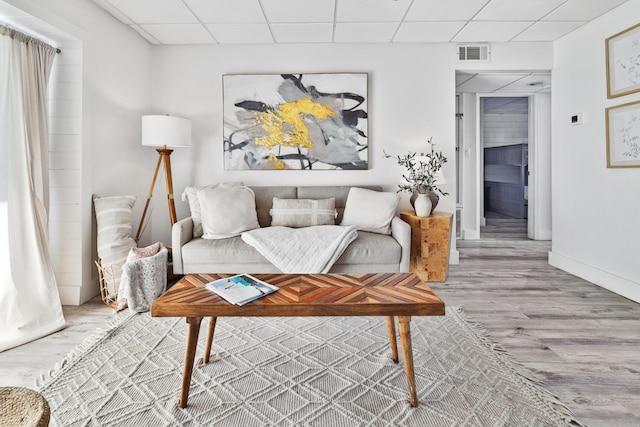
(189, 356)
(391, 326)
(207, 348)
(407, 354)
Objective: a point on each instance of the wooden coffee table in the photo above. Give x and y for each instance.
(400, 295)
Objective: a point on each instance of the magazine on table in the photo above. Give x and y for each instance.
(241, 289)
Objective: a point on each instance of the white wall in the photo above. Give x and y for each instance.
(411, 98)
(471, 191)
(106, 156)
(595, 209)
(540, 161)
(409, 101)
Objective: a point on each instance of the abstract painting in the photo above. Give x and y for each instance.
(295, 121)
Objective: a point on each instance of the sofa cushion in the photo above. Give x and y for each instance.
(222, 251)
(371, 248)
(368, 248)
(227, 211)
(337, 192)
(370, 210)
(190, 195)
(298, 213)
(264, 200)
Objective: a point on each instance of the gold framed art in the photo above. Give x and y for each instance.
(623, 135)
(623, 62)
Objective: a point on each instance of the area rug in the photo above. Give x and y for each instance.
(313, 371)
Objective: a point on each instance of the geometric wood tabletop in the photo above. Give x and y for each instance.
(381, 294)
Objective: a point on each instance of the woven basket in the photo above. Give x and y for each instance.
(108, 294)
(21, 406)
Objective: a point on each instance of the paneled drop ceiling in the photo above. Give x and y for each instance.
(354, 21)
(507, 82)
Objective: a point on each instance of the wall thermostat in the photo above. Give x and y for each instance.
(576, 119)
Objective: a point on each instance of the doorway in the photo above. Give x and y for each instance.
(505, 143)
(515, 180)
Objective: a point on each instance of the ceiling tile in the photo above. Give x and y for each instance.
(371, 10)
(490, 31)
(303, 33)
(212, 12)
(427, 32)
(582, 10)
(178, 33)
(529, 10)
(438, 10)
(546, 31)
(296, 11)
(8, 11)
(524, 82)
(487, 82)
(154, 11)
(241, 33)
(365, 32)
(463, 76)
(534, 82)
(148, 37)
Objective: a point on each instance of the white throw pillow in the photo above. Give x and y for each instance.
(298, 213)
(227, 211)
(114, 218)
(370, 210)
(190, 195)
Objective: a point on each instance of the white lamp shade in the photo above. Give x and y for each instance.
(160, 131)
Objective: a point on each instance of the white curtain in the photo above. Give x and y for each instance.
(29, 302)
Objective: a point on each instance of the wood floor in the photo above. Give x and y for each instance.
(582, 341)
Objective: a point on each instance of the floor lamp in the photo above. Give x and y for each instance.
(164, 132)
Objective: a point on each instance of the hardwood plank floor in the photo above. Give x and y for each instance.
(582, 341)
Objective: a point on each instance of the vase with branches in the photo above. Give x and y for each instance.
(422, 173)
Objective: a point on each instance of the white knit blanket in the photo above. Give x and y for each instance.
(306, 250)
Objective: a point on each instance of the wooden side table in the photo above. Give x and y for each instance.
(430, 240)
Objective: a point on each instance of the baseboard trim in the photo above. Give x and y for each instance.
(69, 295)
(470, 234)
(604, 279)
(454, 257)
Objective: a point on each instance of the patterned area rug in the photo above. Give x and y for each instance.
(314, 371)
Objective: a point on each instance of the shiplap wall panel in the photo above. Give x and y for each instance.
(65, 143)
(505, 121)
(65, 230)
(63, 177)
(67, 160)
(65, 171)
(65, 213)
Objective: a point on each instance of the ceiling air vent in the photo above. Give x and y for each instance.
(475, 53)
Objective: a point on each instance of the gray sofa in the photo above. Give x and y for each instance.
(369, 253)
